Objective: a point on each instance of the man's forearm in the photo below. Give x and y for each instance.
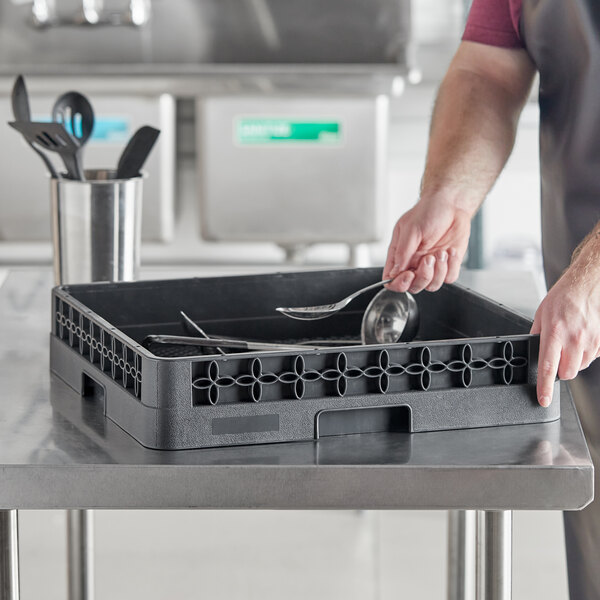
(474, 123)
(585, 262)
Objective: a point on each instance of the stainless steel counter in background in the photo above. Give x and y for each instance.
(341, 51)
(310, 61)
(187, 35)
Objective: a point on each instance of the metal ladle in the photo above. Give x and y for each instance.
(390, 317)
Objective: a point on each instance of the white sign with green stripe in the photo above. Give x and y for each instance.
(252, 131)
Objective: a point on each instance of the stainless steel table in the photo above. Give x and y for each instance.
(58, 451)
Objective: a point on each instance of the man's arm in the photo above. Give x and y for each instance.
(472, 135)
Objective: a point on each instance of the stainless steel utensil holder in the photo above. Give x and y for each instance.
(96, 228)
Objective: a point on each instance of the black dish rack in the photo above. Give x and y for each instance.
(473, 363)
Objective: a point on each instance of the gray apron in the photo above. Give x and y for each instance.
(563, 39)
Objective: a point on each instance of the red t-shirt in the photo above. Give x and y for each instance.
(494, 22)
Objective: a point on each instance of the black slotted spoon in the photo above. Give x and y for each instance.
(75, 112)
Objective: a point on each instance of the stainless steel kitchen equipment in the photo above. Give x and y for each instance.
(96, 228)
(231, 50)
(352, 33)
(46, 13)
(293, 169)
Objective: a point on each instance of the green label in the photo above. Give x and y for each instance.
(277, 131)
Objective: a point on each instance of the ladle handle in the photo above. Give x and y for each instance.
(366, 289)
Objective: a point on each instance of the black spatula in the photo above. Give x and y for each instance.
(55, 138)
(136, 152)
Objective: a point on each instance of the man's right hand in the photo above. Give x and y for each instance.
(472, 133)
(427, 248)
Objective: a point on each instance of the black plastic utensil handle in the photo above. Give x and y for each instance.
(136, 152)
(22, 113)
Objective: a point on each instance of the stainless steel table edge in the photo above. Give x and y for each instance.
(290, 487)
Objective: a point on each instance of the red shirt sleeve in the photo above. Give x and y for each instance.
(494, 22)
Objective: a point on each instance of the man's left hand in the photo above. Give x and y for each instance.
(568, 322)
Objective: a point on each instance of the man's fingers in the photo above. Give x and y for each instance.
(402, 282)
(536, 328)
(423, 274)
(440, 271)
(391, 252)
(570, 363)
(405, 247)
(587, 360)
(550, 351)
(454, 262)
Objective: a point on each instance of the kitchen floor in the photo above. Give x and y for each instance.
(248, 555)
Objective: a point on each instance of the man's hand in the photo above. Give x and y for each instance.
(568, 322)
(427, 247)
(472, 133)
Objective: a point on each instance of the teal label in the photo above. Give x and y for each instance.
(106, 129)
(278, 131)
(110, 129)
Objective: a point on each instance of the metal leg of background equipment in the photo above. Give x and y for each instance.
(461, 554)
(9, 555)
(359, 255)
(494, 555)
(80, 554)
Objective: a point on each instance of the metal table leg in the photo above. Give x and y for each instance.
(461, 554)
(9, 555)
(80, 554)
(494, 555)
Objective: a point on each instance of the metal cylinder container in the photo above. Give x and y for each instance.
(96, 226)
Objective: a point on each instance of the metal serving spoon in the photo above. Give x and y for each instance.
(308, 313)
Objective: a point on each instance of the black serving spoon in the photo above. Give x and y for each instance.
(21, 112)
(136, 152)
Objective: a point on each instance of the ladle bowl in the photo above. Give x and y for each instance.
(389, 318)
